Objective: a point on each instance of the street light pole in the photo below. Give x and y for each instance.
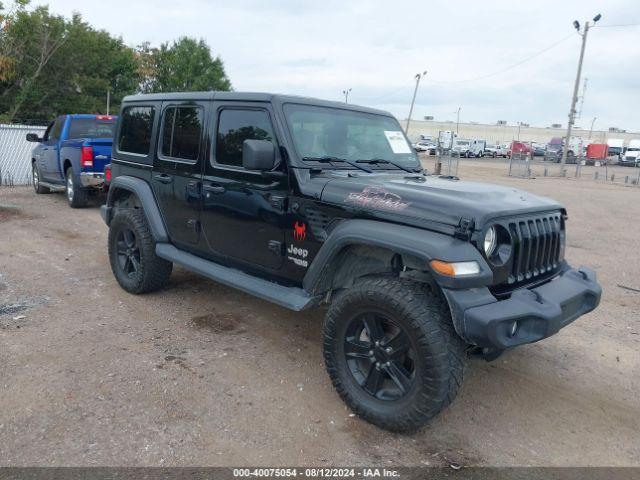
(574, 99)
(346, 95)
(591, 129)
(458, 120)
(413, 100)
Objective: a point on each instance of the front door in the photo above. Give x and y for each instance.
(50, 150)
(243, 210)
(177, 169)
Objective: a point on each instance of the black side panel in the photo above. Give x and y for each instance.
(143, 191)
(419, 243)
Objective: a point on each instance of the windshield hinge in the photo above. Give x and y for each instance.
(464, 229)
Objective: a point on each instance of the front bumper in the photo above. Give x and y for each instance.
(92, 179)
(528, 315)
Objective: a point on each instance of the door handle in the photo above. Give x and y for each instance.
(163, 178)
(213, 188)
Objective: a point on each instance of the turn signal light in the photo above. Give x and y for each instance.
(455, 269)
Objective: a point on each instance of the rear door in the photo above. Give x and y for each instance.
(177, 169)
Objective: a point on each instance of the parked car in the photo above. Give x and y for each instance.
(71, 156)
(476, 148)
(273, 197)
(615, 147)
(553, 152)
(461, 147)
(494, 151)
(538, 150)
(426, 146)
(519, 148)
(631, 156)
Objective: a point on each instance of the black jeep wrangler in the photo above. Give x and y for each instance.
(305, 202)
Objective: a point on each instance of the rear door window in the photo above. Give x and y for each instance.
(182, 133)
(136, 130)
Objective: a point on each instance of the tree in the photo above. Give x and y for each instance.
(186, 65)
(51, 65)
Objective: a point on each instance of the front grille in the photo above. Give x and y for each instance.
(630, 159)
(537, 246)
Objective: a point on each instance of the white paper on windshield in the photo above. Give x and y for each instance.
(397, 142)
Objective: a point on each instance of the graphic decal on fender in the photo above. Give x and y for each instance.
(298, 255)
(299, 231)
(377, 198)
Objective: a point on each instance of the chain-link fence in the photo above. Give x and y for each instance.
(15, 153)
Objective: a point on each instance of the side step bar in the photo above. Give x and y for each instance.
(292, 298)
(54, 187)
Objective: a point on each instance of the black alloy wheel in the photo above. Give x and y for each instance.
(128, 252)
(380, 357)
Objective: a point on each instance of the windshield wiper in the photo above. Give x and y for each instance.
(390, 162)
(328, 159)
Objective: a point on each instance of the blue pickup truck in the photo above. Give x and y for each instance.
(72, 155)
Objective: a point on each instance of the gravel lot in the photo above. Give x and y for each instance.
(200, 374)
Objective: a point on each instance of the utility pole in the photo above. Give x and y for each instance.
(458, 120)
(346, 95)
(413, 100)
(108, 99)
(574, 98)
(519, 125)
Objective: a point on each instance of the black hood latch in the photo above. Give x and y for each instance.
(464, 229)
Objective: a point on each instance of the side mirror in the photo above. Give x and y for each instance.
(33, 137)
(258, 155)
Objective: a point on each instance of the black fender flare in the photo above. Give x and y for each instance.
(422, 244)
(143, 191)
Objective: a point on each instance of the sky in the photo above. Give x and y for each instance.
(470, 51)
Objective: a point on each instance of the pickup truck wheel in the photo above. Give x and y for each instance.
(132, 254)
(76, 195)
(36, 180)
(392, 353)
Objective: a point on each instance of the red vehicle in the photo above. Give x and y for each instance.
(519, 147)
(597, 151)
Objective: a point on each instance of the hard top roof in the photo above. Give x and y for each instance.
(247, 97)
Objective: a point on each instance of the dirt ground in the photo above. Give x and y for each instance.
(200, 374)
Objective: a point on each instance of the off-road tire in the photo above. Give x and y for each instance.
(77, 197)
(36, 180)
(441, 353)
(153, 271)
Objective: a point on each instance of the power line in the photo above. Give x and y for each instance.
(506, 69)
(618, 25)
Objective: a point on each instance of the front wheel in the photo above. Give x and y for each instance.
(76, 195)
(392, 353)
(36, 180)
(132, 253)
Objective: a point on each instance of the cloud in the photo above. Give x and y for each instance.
(376, 48)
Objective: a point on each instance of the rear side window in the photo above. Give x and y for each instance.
(236, 126)
(135, 130)
(181, 132)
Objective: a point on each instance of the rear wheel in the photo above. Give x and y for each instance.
(36, 180)
(76, 195)
(132, 254)
(392, 354)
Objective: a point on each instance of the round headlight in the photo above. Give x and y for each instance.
(490, 241)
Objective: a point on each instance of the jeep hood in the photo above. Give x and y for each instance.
(416, 199)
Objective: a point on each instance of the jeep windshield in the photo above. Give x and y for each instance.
(365, 138)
